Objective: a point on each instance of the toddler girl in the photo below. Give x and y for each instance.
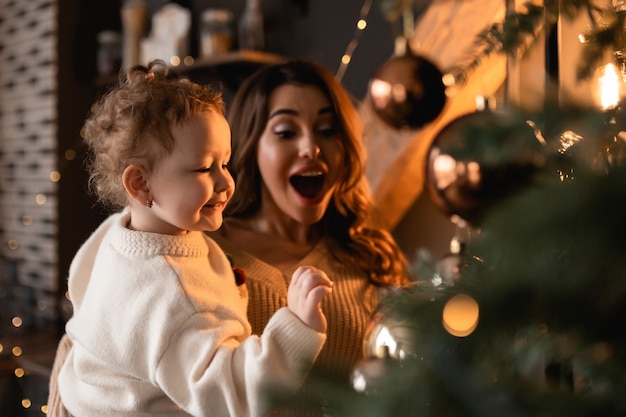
(159, 325)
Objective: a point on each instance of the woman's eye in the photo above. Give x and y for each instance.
(285, 133)
(327, 131)
(204, 170)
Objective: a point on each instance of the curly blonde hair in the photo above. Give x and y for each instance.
(346, 222)
(131, 124)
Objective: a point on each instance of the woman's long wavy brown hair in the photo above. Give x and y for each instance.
(346, 222)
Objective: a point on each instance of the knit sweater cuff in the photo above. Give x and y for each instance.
(299, 343)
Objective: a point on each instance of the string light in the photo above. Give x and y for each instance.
(361, 24)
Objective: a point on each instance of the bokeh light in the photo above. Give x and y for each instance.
(460, 315)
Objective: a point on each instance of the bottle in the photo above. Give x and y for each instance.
(251, 31)
(215, 32)
(109, 56)
(134, 14)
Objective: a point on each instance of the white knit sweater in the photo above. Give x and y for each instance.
(160, 328)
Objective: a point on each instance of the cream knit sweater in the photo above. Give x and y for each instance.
(159, 327)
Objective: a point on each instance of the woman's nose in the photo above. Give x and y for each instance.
(309, 149)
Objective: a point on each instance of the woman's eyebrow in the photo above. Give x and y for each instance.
(283, 111)
(324, 110)
(292, 112)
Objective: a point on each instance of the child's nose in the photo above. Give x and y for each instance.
(224, 182)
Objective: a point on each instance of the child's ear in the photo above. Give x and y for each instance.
(135, 182)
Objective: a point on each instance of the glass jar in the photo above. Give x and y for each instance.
(215, 32)
(251, 26)
(109, 57)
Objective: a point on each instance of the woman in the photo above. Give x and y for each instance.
(301, 198)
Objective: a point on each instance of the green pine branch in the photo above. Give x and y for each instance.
(520, 29)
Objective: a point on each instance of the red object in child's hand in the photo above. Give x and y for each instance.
(240, 276)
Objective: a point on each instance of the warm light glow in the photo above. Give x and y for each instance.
(460, 315)
(55, 176)
(445, 171)
(70, 154)
(608, 86)
(40, 199)
(188, 60)
(17, 351)
(361, 24)
(26, 403)
(19, 372)
(448, 80)
(384, 338)
(27, 220)
(537, 132)
(398, 92)
(16, 321)
(346, 59)
(175, 61)
(473, 174)
(568, 139)
(368, 371)
(359, 382)
(44, 408)
(13, 244)
(381, 93)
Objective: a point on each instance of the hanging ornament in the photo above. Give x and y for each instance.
(392, 332)
(479, 158)
(388, 336)
(407, 91)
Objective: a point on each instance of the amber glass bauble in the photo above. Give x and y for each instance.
(407, 91)
(477, 160)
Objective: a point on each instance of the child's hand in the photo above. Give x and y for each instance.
(307, 288)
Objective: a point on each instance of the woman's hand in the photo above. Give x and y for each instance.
(307, 288)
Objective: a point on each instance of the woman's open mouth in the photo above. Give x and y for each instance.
(309, 184)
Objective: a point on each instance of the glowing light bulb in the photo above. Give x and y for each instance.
(608, 86)
(460, 315)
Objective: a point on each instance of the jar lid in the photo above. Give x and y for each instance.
(217, 16)
(109, 36)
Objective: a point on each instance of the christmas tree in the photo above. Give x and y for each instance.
(530, 321)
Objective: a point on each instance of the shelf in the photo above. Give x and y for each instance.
(230, 69)
(236, 58)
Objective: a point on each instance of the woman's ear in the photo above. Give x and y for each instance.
(135, 180)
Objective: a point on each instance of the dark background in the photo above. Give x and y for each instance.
(318, 30)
